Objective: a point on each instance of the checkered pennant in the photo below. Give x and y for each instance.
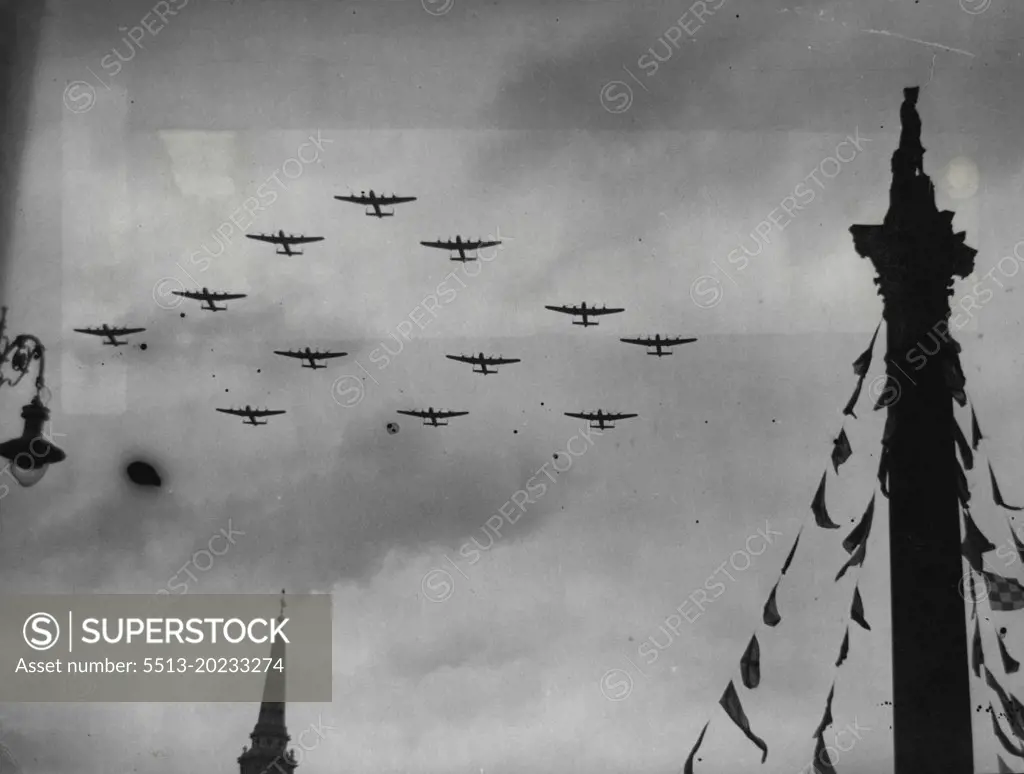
(1004, 593)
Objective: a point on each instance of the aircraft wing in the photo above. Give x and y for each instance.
(673, 342)
(501, 360)
(602, 310)
(302, 240)
(353, 199)
(386, 200)
(420, 414)
(274, 240)
(641, 342)
(464, 358)
(290, 354)
(220, 296)
(93, 331)
(582, 415)
(189, 294)
(566, 309)
(269, 413)
(234, 412)
(326, 355)
(478, 245)
(446, 414)
(441, 245)
(125, 331)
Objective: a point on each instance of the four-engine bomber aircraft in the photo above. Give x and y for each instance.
(311, 356)
(110, 333)
(285, 240)
(462, 247)
(658, 343)
(584, 311)
(599, 420)
(251, 413)
(205, 296)
(376, 202)
(430, 416)
(483, 361)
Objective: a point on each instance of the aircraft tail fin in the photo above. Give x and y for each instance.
(293, 252)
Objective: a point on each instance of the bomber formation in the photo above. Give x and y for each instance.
(462, 250)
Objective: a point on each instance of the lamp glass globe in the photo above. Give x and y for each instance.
(31, 475)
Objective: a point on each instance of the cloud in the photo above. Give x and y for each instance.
(379, 493)
(201, 162)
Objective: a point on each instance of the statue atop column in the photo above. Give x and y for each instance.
(915, 250)
(910, 132)
(911, 194)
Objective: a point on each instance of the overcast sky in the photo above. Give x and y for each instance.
(610, 181)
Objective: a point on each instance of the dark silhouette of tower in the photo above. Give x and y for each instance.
(916, 255)
(268, 753)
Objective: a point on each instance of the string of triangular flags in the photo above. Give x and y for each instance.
(1004, 594)
(855, 544)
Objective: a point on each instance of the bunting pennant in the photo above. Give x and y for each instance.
(826, 719)
(1012, 708)
(731, 704)
(997, 496)
(792, 552)
(889, 429)
(857, 609)
(976, 435)
(688, 766)
(977, 654)
(1004, 593)
(841, 450)
(1010, 665)
(1009, 746)
(848, 409)
(750, 664)
(975, 543)
(771, 616)
(1016, 541)
(857, 560)
(954, 376)
(861, 531)
(863, 362)
(822, 760)
(963, 446)
(883, 471)
(889, 394)
(1003, 768)
(860, 370)
(962, 490)
(818, 506)
(844, 649)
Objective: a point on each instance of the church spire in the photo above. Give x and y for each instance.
(268, 753)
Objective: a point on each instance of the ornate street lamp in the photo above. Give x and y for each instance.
(32, 453)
